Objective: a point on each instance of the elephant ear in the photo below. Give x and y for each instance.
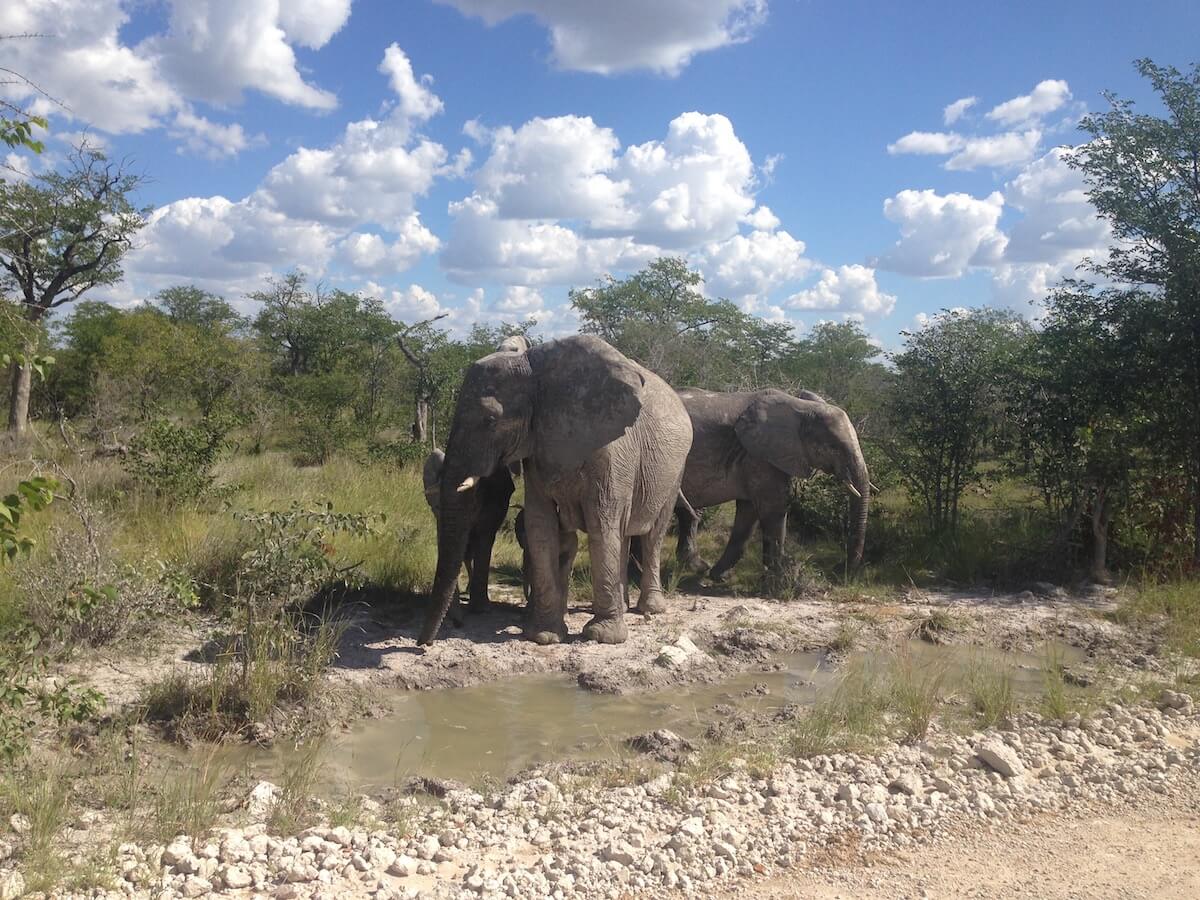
(770, 429)
(586, 395)
(431, 475)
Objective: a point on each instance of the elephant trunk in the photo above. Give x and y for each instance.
(454, 525)
(859, 508)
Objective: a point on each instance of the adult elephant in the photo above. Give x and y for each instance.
(747, 447)
(602, 442)
(490, 500)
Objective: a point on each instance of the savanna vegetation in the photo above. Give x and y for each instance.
(254, 460)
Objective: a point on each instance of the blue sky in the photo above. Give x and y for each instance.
(481, 157)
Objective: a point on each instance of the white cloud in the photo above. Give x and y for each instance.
(619, 35)
(997, 150)
(411, 304)
(942, 235)
(211, 50)
(416, 100)
(215, 49)
(1057, 222)
(1045, 98)
(927, 142)
(354, 202)
(748, 267)
(848, 288)
(520, 300)
(956, 110)
(558, 200)
(762, 219)
(212, 139)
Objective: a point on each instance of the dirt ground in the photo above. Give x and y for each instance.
(733, 634)
(1149, 847)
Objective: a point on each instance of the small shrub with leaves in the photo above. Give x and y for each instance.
(176, 461)
(399, 454)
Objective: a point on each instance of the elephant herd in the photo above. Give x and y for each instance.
(608, 448)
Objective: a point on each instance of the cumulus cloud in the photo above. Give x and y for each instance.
(942, 235)
(353, 202)
(416, 100)
(216, 141)
(952, 112)
(851, 289)
(1045, 98)
(1057, 222)
(210, 50)
(927, 142)
(998, 150)
(620, 35)
(560, 198)
(749, 267)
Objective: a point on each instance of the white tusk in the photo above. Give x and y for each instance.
(851, 488)
(469, 482)
(874, 489)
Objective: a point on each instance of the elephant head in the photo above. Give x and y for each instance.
(555, 404)
(802, 436)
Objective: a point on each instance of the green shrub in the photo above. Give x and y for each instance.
(176, 461)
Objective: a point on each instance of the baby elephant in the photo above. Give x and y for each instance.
(490, 510)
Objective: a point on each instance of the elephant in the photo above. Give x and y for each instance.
(602, 442)
(492, 496)
(747, 447)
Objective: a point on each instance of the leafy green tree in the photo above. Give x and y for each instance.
(1142, 176)
(837, 360)
(61, 235)
(1079, 409)
(951, 381)
(660, 317)
(187, 304)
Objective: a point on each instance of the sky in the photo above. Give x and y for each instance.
(813, 159)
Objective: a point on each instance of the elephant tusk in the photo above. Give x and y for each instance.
(852, 489)
(469, 482)
(874, 490)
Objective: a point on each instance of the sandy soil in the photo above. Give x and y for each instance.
(1149, 847)
(733, 633)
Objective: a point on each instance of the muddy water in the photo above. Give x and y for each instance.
(496, 729)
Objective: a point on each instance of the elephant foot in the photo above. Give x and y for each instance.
(606, 631)
(652, 603)
(480, 606)
(546, 636)
(697, 564)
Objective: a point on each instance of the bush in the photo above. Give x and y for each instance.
(177, 461)
(399, 454)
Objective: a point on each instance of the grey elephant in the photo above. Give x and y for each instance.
(491, 500)
(602, 442)
(747, 447)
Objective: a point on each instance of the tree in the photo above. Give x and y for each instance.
(17, 123)
(61, 235)
(659, 317)
(1143, 175)
(1079, 408)
(424, 347)
(833, 360)
(950, 384)
(189, 305)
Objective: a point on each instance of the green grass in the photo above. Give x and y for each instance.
(41, 795)
(991, 691)
(1173, 607)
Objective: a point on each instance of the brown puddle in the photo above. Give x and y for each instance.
(497, 729)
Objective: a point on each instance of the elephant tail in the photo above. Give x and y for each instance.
(682, 501)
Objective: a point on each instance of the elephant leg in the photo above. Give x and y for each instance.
(774, 532)
(545, 623)
(525, 586)
(651, 598)
(609, 551)
(686, 552)
(481, 565)
(633, 572)
(568, 546)
(743, 524)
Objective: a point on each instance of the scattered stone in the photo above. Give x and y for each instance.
(663, 744)
(262, 799)
(1000, 758)
(12, 886)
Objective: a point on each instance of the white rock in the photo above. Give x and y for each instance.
(877, 813)
(262, 799)
(1000, 758)
(178, 855)
(20, 823)
(684, 643)
(12, 886)
(672, 656)
(195, 886)
(907, 783)
(401, 867)
(235, 877)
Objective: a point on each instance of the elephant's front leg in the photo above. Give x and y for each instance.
(609, 551)
(651, 598)
(774, 532)
(480, 555)
(547, 608)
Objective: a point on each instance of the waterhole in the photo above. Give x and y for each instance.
(497, 729)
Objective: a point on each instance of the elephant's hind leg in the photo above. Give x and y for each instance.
(686, 553)
(651, 598)
(545, 623)
(743, 524)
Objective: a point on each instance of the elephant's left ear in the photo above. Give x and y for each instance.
(770, 429)
(586, 395)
